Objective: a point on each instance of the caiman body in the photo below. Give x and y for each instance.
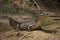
(29, 24)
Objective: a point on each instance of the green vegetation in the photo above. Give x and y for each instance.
(11, 10)
(8, 7)
(15, 10)
(8, 2)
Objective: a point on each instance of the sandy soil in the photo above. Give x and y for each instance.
(24, 35)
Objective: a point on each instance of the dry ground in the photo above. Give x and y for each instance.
(24, 35)
(8, 33)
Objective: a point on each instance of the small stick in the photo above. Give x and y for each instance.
(37, 5)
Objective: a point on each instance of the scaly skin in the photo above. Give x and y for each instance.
(38, 24)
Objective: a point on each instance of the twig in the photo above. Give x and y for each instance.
(37, 5)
